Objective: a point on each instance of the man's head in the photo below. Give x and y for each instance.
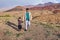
(27, 9)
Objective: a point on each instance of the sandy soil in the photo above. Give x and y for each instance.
(44, 26)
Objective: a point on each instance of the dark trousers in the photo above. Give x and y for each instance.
(19, 26)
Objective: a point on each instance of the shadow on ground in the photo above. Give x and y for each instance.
(14, 26)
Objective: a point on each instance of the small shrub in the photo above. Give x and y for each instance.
(48, 33)
(29, 30)
(58, 26)
(5, 15)
(50, 26)
(7, 33)
(19, 34)
(42, 24)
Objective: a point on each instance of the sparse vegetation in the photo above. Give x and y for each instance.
(48, 33)
(19, 34)
(58, 26)
(43, 25)
(8, 33)
(5, 15)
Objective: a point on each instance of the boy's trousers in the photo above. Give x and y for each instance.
(27, 24)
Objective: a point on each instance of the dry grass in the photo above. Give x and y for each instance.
(44, 26)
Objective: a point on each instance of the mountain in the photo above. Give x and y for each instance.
(52, 6)
(49, 3)
(40, 6)
(28, 6)
(20, 8)
(46, 6)
(17, 8)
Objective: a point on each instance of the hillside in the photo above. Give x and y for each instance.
(46, 6)
(44, 26)
(17, 8)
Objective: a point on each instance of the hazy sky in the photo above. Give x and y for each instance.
(12, 3)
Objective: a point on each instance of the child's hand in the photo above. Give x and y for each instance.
(22, 21)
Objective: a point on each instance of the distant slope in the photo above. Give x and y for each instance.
(29, 6)
(46, 6)
(17, 8)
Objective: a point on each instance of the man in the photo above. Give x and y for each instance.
(27, 18)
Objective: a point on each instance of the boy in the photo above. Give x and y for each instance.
(27, 18)
(19, 23)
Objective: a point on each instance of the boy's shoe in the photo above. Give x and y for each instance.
(25, 30)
